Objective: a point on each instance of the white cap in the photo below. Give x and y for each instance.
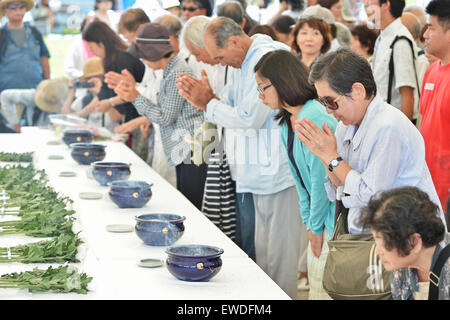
(169, 3)
(319, 12)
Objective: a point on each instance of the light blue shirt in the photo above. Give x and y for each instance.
(254, 149)
(385, 152)
(316, 209)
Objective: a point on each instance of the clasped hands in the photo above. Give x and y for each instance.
(197, 92)
(320, 142)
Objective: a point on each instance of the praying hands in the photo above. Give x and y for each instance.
(197, 92)
(126, 89)
(322, 143)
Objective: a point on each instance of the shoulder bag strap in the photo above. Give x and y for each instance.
(391, 67)
(433, 293)
(3, 41)
(290, 145)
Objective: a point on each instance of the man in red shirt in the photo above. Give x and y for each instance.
(435, 98)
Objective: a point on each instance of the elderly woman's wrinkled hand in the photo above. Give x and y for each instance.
(322, 143)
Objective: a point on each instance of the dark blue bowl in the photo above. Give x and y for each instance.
(194, 262)
(159, 229)
(77, 135)
(86, 153)
(130, 194)
(106, 172)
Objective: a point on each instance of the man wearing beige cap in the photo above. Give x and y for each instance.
(23, 53)
(176, 117)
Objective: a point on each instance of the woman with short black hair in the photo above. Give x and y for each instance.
(409, 237)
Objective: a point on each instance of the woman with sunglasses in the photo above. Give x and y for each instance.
(375, 147)
(193, 8)
(283, 85)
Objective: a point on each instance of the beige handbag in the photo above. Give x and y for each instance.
(353, 270)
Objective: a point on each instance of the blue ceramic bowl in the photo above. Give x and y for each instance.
(159, 229)
(194, 262)
(130, 194)
(107, 172)
(86, 153)
(76, 135)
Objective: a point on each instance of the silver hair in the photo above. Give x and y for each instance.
(222, 28)
(194, 30)
(232, 10)
(172, 23)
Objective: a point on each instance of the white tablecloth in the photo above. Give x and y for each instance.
(111, 258)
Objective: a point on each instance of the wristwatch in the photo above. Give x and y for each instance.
(334, 163)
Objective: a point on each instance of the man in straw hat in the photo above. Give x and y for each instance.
(49, 97)
(51, 93)
(23, 63)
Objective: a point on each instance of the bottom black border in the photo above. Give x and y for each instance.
(218, 309)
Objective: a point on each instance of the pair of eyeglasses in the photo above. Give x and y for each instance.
(16, 6)
(190, 9)
(261, 90)
(329, 102)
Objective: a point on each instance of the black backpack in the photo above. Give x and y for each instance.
(391, 66)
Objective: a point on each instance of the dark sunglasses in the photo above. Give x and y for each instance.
(16, 6)
(191, 9)
(329, 102)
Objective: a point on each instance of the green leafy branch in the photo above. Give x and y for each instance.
(62, 279)
(57, 250)
(16, 157)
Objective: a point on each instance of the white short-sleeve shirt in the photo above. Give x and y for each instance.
(404, 71)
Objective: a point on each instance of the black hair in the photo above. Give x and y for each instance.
(283, 24)
(440, 9)
(202, 4)
(289, 76)
(341, 69)
(397, 7)
(399, 213)
(99, 32)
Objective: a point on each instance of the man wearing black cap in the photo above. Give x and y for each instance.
(176, 117)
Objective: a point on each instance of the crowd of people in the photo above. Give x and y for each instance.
(269, 129)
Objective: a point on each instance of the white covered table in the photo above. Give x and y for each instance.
(111, 258)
